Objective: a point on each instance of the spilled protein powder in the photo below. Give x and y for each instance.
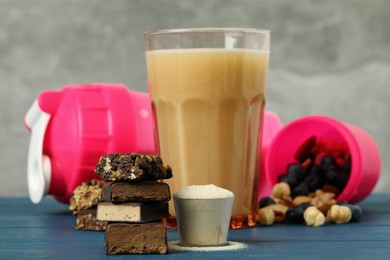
(175, 245)
(209, 191)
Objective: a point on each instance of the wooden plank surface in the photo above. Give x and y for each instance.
(46, 230)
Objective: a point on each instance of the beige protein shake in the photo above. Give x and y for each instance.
(208, 108)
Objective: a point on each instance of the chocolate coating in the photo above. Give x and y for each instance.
(124, 238)
(119, 192)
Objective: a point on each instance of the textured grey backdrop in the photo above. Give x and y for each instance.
(328, 57)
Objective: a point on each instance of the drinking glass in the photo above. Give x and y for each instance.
(207, 88)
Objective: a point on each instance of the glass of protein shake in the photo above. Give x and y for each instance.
(207, 88)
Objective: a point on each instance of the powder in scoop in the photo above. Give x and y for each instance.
(209, 191)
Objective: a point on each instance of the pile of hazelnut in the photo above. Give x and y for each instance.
(307, 193)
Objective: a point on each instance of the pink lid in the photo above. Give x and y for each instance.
(365, 157)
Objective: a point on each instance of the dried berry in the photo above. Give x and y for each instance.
(301, 189)
(357, 212)
(295, 215)
(314, 181)
(305, 150)
(331, 189)
(315, 169)
(282, 177)
(266, 201)
(292, 181)
(346, 167)
(327, 162)
(331, 173)
(341, 179)
(304, 206)
(297, 171)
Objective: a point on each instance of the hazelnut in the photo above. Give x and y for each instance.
(281, 190)
(339, 214)
(314, 217)
(266, 216)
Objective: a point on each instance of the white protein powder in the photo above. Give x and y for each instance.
(209, 191)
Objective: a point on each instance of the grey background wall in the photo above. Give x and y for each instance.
(328, 57)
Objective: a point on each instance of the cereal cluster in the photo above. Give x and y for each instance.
(83, 203)
(85, 196)
(307, 192)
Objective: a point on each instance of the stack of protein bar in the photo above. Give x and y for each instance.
(83, 204)
(134, 203)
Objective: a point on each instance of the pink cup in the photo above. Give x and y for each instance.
(365, 157)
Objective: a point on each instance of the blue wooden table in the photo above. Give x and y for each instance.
(46, 230)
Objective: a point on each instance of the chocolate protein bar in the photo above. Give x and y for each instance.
(132, 212)
(132, 167)
(147, 191)
(86, 220)
(125, 238)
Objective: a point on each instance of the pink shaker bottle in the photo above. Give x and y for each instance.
(73, 127)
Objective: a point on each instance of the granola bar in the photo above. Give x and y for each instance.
(132, 167)
(86, 196)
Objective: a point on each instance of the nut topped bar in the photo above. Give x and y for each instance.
(132, 167)
(87, 195)
(83, 203)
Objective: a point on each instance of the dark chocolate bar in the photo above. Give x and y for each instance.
(124, 238)
(132, 167)
(132, 212)
(119, 192)
(86, 220)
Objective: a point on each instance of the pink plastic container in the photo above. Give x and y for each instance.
(271, 126)
(365, 157)
(73, 127)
